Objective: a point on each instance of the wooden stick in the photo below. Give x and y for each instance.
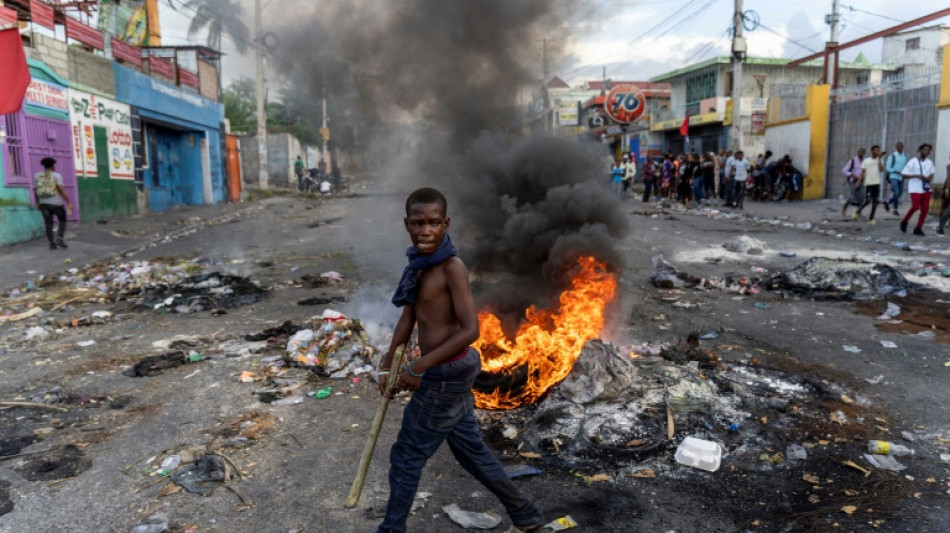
(32, 404)
(357, 489)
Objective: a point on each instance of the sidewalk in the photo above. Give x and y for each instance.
(92, 241)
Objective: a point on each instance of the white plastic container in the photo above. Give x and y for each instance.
(699, 453)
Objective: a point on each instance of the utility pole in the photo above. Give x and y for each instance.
(738, 54)
(261, 114)
(548, 115)
(324, 131)
(831, 60)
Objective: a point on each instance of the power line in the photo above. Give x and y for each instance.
(856, 10)
(700, 54)
(800, 45)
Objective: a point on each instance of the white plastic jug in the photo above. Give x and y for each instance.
(699, 453)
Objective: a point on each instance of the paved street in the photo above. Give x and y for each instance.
(295, 473)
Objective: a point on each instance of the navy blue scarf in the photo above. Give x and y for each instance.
(407, 291)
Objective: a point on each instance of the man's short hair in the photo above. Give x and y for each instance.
(875, 146)
(427, 195)
(48, 162)
(921, 147)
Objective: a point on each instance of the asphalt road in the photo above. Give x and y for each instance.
(298, 473)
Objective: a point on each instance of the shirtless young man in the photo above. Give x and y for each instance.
(435, 295)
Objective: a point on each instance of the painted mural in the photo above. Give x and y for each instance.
(89, 113)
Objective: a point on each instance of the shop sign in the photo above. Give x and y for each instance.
(46, 95)
(88, 111)
(625, 103)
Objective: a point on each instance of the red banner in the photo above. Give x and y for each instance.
(159, 65)
(42, 14)
(7, 17)
(86, 35)
(126, 52)
(188, 78)
(13, 71)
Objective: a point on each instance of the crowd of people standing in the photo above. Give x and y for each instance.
(725, 178)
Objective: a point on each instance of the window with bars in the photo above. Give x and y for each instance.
(912, 44)
(700, 86)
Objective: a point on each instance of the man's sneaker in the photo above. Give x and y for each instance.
(844, 208)
(855, 216)
(872, 222)
(52, 246)
(903, 227)
(887, 207)
(919, 232)
(61, 243)
(940, 231)
(897, 213)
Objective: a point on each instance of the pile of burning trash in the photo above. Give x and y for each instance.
(625, 411)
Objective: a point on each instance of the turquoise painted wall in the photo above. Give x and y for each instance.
(18, 220)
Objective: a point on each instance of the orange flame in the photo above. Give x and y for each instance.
(548, 340)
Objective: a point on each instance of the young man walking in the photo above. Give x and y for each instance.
(852, 174)
(871, 169)
(738, 168)
(893, 166)
(918, 172)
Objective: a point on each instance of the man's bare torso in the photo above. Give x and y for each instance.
(435, 315)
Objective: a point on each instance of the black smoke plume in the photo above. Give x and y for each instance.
(435, 86)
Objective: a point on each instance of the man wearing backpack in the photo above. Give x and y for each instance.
(852, 174)
(51, 200)
(893, 167)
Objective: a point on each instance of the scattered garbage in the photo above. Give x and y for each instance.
(36, 332)
(883, 447)
(892, 311)
(876, 380)
(841, 279)
(156, 364)
(321, 394)
(335, 343)
(470, 519)
(157, 523)
(796, 452)
(85, 344)
(699, 453)
(169, 464)
(286, 329)
(560, 524)
(851, 349)
(324, 279)
(884, 462)
(788, 254)
(665, 276)
(204, 475)
(323, 300)
(212, 291)
(761, 305)
(709, 336)
(927, 334)
(744, 244)
(888, 344)
(516, 471)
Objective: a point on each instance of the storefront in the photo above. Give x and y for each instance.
(102, 152)
(39, 130)
(179, 139)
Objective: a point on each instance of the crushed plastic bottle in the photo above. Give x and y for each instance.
(883, 447)
(169, 464)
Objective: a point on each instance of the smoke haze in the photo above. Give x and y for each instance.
(432, 87)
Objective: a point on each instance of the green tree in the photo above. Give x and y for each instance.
(240, 106)
(219, 17)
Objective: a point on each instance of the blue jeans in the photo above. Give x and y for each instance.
(897, 186)
(443, 410)
(699, 186)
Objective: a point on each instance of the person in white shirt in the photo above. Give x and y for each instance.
(871, 168)
(918, 172)
(738, 168)
(852, 174)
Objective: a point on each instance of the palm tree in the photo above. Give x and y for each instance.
(219, 16)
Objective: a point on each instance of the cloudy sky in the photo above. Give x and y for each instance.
(641, 39)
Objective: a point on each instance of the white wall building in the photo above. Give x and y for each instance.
(915, 50)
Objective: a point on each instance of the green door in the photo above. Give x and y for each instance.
(101, 138)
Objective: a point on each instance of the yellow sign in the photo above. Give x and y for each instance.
(326, 133)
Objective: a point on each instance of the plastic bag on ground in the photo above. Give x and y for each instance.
(469, 519)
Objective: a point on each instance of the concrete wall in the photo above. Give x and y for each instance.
(894, 49)
(792, 139)
(19, 222)
(282, 150)
(52, 52)
(90, 70)
(208, 79)
(941, 150)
